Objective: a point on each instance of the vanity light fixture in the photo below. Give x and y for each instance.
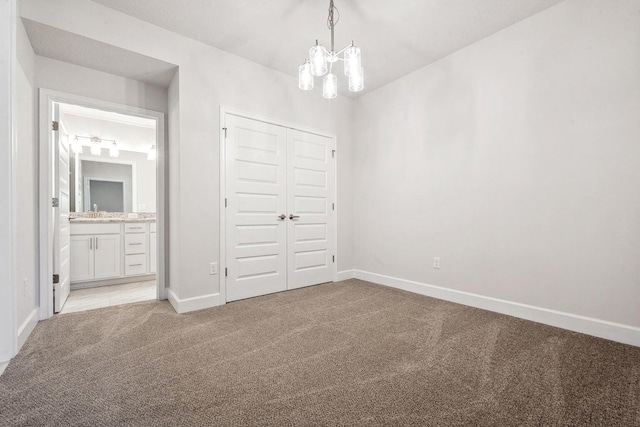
(321, 60)
(151, 155)
(96, 145)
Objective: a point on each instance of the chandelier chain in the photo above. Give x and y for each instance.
(333, 10)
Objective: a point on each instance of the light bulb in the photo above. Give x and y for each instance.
(76, 146)
(305, 78)
(356, 80)
(330, 86)
(113, 150)
(96, 150)
(352, 60)
(151, 155)
(318, 60)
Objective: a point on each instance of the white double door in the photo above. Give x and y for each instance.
(280, 208)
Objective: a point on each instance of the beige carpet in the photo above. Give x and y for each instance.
(349, 353)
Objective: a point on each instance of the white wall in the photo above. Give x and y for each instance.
(73, 79)
(8, 303)
(515, 160)
(209, 78)
(27, 280)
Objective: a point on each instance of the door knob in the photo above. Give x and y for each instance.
(282, 217)
(292, 217)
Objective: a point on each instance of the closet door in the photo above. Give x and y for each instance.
(256, 225)
(310, 198)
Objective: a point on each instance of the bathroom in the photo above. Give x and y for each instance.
(108, 238)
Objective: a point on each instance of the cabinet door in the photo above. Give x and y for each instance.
(81, 258)
(153, 252)
(107, 256)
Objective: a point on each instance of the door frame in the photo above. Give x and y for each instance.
(224, 110)
(47, 98)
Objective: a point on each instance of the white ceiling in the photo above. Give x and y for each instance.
(131, 133)
(396, 36)
(64, 46)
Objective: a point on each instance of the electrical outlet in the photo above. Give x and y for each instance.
(25, 288)
(213, 268)
(436, 262)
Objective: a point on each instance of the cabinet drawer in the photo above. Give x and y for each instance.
(108, 228)
(135, 244)
(135, 264)
(135, 227)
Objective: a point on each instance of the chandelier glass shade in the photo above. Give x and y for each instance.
(320, 63)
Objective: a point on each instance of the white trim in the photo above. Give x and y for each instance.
(3, 366)
(46, 99)
(587, 325)
(186, 305)
(8, 164)
(27, 327)
(345, 275)
(222, 230)
(223, 185)
(271, 120)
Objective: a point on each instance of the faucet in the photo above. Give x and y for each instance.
(95, 210)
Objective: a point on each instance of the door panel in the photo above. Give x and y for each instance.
(256, 196)
(310, 195)
(62, 239)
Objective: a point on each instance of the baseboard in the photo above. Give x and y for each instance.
(345, 275)
(109, 282)
(596, 327)
(186, 305)
(27, 327)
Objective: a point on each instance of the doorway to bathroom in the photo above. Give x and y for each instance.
(102, 204)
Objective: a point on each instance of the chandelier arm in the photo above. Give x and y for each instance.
(341, 51)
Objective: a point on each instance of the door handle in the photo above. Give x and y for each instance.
(96, 243)
(292, 217)
(91, 244)
(282, 217)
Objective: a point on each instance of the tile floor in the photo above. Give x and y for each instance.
(105, 296)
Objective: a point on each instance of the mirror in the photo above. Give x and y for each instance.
(109, 195)
(123, 184)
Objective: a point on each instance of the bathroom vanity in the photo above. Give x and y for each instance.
(112, 250)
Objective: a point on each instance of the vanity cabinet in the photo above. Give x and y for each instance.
(95, 251)
(112, 250)
(135, 249)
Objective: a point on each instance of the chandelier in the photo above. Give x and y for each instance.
(320, 63)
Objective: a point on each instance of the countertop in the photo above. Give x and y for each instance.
(108, 220)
